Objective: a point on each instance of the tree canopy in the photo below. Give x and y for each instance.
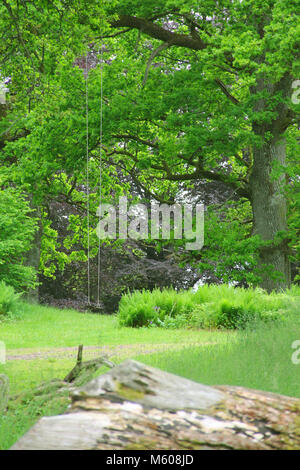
(196, 95)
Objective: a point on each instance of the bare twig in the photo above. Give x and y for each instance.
(155, 53)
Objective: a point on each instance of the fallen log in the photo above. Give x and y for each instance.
(134, 406)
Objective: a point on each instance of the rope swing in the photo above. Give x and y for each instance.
(100, 168)
(87, 175)
(95, 307)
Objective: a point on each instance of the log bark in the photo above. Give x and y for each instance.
(137, 407)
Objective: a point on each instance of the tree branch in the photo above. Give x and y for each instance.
(199, 173)
(155, 53)
(158, 32)
(224, 89)
(135, 138)
(113, 35)
(147, 190)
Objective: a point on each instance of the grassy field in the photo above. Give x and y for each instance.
(38, 329)
(259, 358)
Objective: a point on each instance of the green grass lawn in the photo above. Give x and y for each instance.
(40, 327)
(259, 358)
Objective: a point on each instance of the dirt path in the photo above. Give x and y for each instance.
(121, 350)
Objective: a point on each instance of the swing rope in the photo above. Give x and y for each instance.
(100, 168)
(88, 176)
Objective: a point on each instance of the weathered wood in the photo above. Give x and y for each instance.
(4, 392)
(134, 406)
(79, 354)
(151, 387)
(81, 369)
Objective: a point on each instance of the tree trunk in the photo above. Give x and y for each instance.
(269, 205)
(137, 407)
(270, 212)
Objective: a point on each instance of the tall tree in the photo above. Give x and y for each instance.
(213, 102)
(193, 92)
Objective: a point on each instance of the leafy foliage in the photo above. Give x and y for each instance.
(172, 116)
(210, 307)
(8, 300)
(144, 308)
(17, 229)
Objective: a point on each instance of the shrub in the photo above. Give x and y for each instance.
(144, 308)
(8, 300)
(139, 315)
(234, 316)
(242, 309)
(210, 307)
